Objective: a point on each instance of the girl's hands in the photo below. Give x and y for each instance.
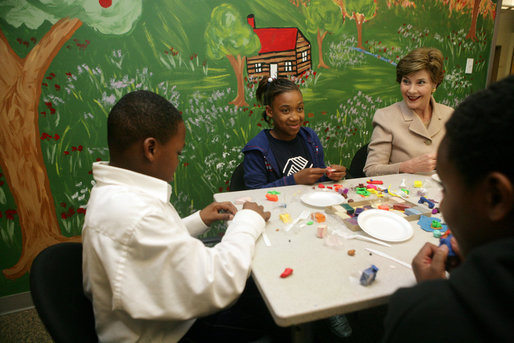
(308, 176)
(335, 172)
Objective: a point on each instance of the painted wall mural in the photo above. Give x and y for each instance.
(65, 63)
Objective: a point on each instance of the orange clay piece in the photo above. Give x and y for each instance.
(271, 197)
(383, 207)
(351, 252)
(318, 217)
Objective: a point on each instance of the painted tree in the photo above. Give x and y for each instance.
(229, 35)
(486, 8)
(360, 11)
(21, 157)
(322, 17)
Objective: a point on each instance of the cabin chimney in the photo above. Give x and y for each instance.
(251, 20)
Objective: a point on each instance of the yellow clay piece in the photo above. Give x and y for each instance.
(285, 218)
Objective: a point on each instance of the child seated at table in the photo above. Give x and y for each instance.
(289, 153)
(476, 303)
(148, 277)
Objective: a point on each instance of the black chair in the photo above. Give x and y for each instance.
(57, 293)
(237, 182)
(358, 163)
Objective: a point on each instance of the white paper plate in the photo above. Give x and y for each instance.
(436, 178)
(385, 225)
(322, 199)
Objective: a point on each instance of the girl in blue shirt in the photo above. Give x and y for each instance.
(286, 154)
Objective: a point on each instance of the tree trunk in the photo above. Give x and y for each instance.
(359, 20)
(238, 66)
(320, 39)
(473, 28)
(21, 158)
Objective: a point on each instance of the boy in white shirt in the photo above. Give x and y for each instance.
(146, 274)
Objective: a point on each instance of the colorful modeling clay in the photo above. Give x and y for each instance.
(362, 191)
(426, 222)
(437, 233)
(375, 182)
(271, 197)
(369, 275)
(383, 207)
(343, 192)
(349, 209)
(358, 211)
(321, 232)
(412, 211)
(351, 252)
(423, 200)
(285, 218)
(287, 272)
(418, 184)
(318, 217)
(321, 185)
(452, 260)
(435, 224)
(400, 207)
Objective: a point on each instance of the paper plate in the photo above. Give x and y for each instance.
(385, 225)
(436, 178)
(322, 199)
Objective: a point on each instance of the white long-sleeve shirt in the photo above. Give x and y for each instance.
(147, 276)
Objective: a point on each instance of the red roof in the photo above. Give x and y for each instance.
(277, 39)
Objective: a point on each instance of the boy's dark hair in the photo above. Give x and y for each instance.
(268, 90)
(480, 133)
(139, 115)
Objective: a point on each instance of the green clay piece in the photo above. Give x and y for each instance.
(273, 192)
(310, 222)
(435, 224)
(437, 233)
(362, 191)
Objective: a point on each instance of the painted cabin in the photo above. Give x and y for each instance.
(284, 52)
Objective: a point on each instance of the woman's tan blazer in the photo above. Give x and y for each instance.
(399, 135)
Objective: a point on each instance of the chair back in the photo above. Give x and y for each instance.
(237, 182)
(57, 293)
(358, 162)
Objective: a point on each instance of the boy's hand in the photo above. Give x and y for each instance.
(308, 176)
(218, 211)
(335, 172)
(257, 208)
(429, 263)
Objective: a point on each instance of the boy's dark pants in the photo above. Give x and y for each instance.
(245, 321)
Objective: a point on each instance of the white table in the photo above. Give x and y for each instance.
(325, 280)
